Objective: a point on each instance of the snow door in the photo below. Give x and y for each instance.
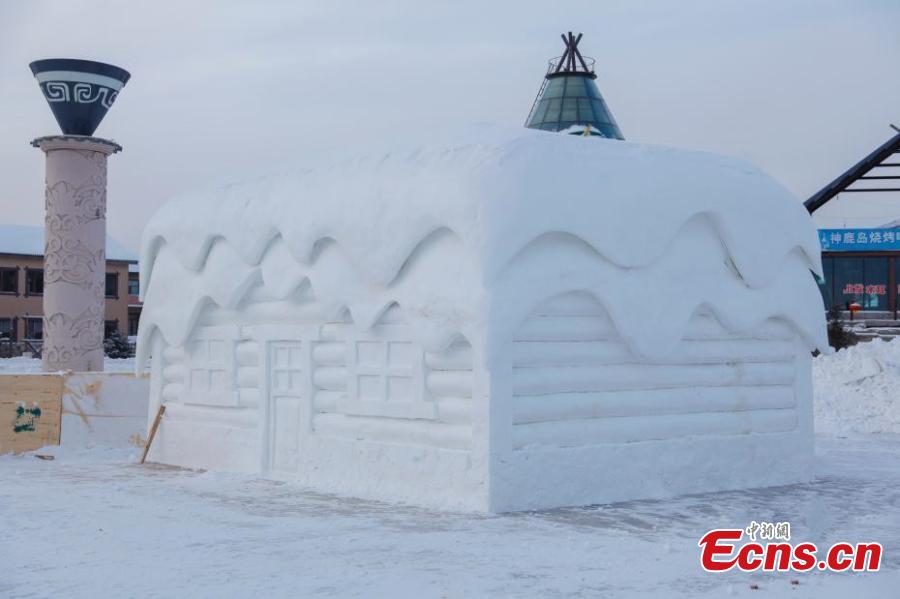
(286, 383)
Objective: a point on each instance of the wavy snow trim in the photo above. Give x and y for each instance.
(497, 191)
(651, 307)
(696, 266)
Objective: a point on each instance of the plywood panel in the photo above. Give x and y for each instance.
(30, 411)
(107, 408)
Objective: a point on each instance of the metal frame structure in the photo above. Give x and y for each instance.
(568, 58)
(555, 66)
(860, 172)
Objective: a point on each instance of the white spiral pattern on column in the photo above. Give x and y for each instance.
(56, 91)
(81, 93)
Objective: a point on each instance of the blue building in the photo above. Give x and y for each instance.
(862, 266)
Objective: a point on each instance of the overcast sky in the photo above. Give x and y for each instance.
(223, 90)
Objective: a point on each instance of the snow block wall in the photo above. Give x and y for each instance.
(511, 320)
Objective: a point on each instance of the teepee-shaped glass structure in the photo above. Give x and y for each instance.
(569, 99)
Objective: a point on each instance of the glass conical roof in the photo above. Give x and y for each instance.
(573, 100)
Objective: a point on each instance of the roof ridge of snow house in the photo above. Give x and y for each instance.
(496, 192)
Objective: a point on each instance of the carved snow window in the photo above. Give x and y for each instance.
(386, 377)
(211, 369)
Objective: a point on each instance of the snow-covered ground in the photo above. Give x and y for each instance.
(29, 365)
(94, 523)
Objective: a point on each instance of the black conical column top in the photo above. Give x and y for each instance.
(79, 92)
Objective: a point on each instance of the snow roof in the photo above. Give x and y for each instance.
(27, 240)
(500, 193)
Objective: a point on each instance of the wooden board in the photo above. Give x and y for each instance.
(30, 411)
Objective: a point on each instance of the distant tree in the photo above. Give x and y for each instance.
(838, 336)
(117, 346)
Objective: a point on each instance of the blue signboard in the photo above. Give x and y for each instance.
(859, 240)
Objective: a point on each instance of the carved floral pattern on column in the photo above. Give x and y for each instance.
(89, 200)
(69, 339)
(74, 210)
(70, 261)
(67, 259)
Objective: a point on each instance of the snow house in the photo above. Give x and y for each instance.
(511, 320)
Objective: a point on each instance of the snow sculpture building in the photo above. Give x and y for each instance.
(514, 320)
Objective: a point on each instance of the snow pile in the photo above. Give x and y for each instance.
(856, 389)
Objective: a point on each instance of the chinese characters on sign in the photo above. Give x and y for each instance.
(859, 288)
(859, 240)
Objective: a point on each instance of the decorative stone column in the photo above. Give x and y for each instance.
(74, 251)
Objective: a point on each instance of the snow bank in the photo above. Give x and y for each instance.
(856, 389)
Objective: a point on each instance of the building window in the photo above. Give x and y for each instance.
(34, 282)
(9, 280)
(110, 327)
(6, 328)
(849, 284)
(897, 280)
(134, 287)
(112, 284)
(826, 284)
(860, 280)
(134, 319)
(876, 290)
(34, 327)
